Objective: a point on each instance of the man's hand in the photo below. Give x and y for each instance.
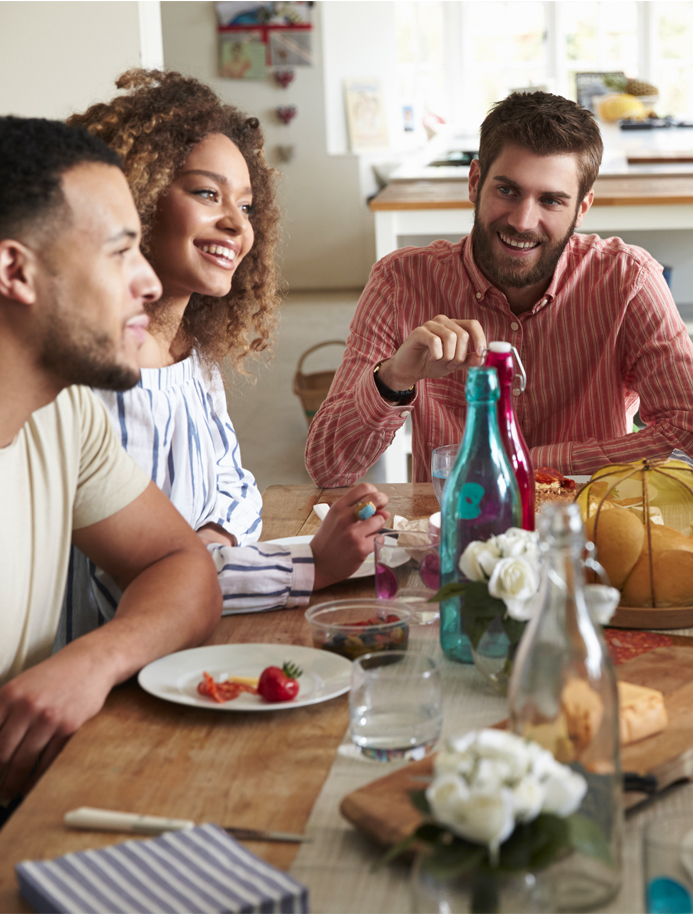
(343, 542)
(41, 708)
(438, 348)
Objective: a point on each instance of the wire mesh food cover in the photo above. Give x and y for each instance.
(640, 517)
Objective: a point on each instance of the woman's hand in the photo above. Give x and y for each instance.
(343, 542)
(215, 533)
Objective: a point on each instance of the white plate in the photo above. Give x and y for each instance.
(175, 677)
(366, 568)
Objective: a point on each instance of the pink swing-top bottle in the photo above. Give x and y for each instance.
(501, 357)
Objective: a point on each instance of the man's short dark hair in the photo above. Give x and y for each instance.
(544, 124)
(34, 155)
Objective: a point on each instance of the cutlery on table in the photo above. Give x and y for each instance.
(99, 820)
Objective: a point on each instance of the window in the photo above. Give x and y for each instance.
(456, 58)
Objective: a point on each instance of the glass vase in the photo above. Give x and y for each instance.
(472, 891)
(494, 654)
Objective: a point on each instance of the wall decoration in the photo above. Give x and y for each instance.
(366, 118)
(285, 153)
(286, 113)
(284, 30)
(284, 77)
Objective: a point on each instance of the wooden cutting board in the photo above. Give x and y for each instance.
(383, 809)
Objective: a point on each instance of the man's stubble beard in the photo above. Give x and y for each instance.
(514, 276)
(76, 354)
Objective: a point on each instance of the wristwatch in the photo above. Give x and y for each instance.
(386, 392)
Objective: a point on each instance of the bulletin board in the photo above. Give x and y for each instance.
(256, 37)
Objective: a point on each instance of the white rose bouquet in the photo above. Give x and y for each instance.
(501, 582)
(499, 803)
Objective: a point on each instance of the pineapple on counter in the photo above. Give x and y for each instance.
(634, 98)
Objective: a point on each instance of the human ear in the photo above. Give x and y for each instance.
(474, 172)
(17, 272)
(585, 204)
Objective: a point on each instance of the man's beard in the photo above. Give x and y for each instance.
(74, 354)
(511, 273)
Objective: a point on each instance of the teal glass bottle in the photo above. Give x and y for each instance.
(480, 498)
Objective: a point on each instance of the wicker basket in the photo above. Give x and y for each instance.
(312, 388)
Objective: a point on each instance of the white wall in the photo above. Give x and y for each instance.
(328, 234)
(56, 58)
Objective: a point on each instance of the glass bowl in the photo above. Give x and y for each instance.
(360, 626)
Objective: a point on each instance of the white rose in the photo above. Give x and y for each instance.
(563, 791)
(484, 818)
(506, 746)
(479, 559)
(513, 581)
(601, 602)
(523, 610)
(528, 797)
(448, 762)
(516, 542)
(492, 774)
(446, 796)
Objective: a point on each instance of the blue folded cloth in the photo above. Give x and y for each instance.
(193, 870)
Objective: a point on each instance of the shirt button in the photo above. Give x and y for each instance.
(517, 392)
(405, 414)
(514, 326)
(478, 295)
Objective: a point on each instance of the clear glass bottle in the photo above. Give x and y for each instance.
(563, 695)
(502, 357)
(480, 498)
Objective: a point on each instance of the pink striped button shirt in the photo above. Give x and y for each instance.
(605, 338)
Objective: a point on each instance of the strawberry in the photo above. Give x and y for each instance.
(279, 684)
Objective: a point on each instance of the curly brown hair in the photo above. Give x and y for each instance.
(154, 127)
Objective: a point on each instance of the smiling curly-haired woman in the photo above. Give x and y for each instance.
(154, 125)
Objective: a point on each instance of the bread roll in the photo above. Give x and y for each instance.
(672, 571)
(619, 541)
(641, 712)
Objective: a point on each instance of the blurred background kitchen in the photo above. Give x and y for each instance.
(355, 95)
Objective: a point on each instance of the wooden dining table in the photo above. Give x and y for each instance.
(283, 770)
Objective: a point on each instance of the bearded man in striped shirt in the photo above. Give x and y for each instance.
(592, 319)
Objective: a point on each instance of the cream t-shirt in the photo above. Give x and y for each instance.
(65, 470)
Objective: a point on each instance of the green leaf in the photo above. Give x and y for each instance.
(418, 799)
(448, 591)
(588, 838)
(449, 859)
(394, 852)
(474, 628)
(513, 629)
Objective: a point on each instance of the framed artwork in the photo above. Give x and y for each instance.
(366, 120)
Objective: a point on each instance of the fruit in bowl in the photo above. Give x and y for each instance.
(356, 627)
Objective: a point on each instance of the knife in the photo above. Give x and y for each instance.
(100, 820)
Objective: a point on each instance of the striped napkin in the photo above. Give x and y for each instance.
(193, 870)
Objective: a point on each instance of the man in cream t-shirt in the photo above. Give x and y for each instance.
(73, 284)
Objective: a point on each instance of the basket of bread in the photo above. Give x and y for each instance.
(639, 516)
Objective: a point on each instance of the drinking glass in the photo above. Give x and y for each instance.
(395, 705)
(407, 569)
(442, 460)
(668, 864)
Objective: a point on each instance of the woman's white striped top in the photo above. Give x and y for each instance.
(175, 424)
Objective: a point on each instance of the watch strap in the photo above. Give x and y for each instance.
(386, 392)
